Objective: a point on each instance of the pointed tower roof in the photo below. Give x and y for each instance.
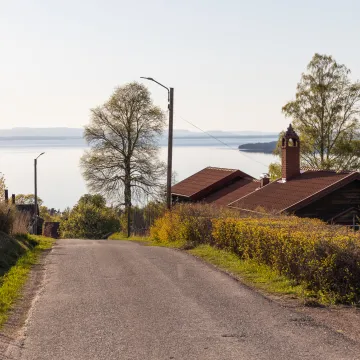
(291, 134)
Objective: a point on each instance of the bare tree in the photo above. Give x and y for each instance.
(123, 133)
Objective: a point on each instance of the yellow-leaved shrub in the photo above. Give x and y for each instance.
(325, 258)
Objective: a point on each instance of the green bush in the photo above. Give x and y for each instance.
(90, 219)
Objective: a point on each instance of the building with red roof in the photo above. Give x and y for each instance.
(328, 195)
(214, 185)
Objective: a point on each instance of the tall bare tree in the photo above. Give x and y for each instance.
(325, 113)
(123, 133)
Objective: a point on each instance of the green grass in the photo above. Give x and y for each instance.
(13, 281)
(121, 236)
(249, 272)
(147, 241)
(255, 275)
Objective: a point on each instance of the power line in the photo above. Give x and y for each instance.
(222, 142)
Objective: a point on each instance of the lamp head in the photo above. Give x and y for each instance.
(40, 155)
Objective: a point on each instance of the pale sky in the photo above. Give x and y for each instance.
(233, 63)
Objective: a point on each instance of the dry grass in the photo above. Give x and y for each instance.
(21, 223)
(12, 221)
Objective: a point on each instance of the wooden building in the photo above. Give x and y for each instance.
(328, 195)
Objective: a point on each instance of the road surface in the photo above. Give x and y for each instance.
(120, 300)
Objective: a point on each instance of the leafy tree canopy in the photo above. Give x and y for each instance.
(325, 114)
(27, 199)
(90, 219)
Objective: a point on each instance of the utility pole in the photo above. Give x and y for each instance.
(170, 148)
(170, 139)
(35, 191)
(35, 182)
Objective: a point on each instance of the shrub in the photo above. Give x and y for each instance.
(90, 220)
(325, 258)
(187, 223)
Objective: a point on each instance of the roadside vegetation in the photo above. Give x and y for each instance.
(90, 219)
(319, 261)
(123, 236)
(12, 281)
(19, 251)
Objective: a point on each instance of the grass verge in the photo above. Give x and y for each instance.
(147, 241)
(12, 282)
(249, 272)
(258, 276)
(121, 236)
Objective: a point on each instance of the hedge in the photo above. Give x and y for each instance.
(324, 258)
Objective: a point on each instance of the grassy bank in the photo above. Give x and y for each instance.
(321, 262)
(12, 281)
(251, 273)
(121, 236)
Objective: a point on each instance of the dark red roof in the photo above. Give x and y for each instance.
(294, 194)
(206, 181)
(232, 192)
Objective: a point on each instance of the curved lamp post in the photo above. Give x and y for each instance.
(35, 183)
(170, 138)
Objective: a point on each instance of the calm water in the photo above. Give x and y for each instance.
(60, 183)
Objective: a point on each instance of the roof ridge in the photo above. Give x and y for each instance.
(223, 169)
(309, 168)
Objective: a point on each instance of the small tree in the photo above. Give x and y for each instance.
(27, 199)
(90, 219)
(123, 133)
(325, 114)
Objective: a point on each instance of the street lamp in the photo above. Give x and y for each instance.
(170, 138)
(35, 183)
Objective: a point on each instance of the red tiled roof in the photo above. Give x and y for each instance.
(296, 193)
(206, 181)
(234, 191)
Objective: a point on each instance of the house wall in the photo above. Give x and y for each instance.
(333, 204)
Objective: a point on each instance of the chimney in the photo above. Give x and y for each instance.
(264, 180)
(13, 199)
(290, 154)
(6, 196)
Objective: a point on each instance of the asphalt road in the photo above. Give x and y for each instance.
(120, 300)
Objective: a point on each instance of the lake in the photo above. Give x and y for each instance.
(60, 183)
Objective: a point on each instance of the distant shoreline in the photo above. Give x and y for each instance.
(182, 137)
(179, 141)
(266, 148)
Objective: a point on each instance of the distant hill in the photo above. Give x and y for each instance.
(42, 132)
(63, 132)
(267, 147)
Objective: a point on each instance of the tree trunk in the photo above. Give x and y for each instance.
(127, 195)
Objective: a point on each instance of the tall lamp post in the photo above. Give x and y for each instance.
(36, 202)
(170, 138)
